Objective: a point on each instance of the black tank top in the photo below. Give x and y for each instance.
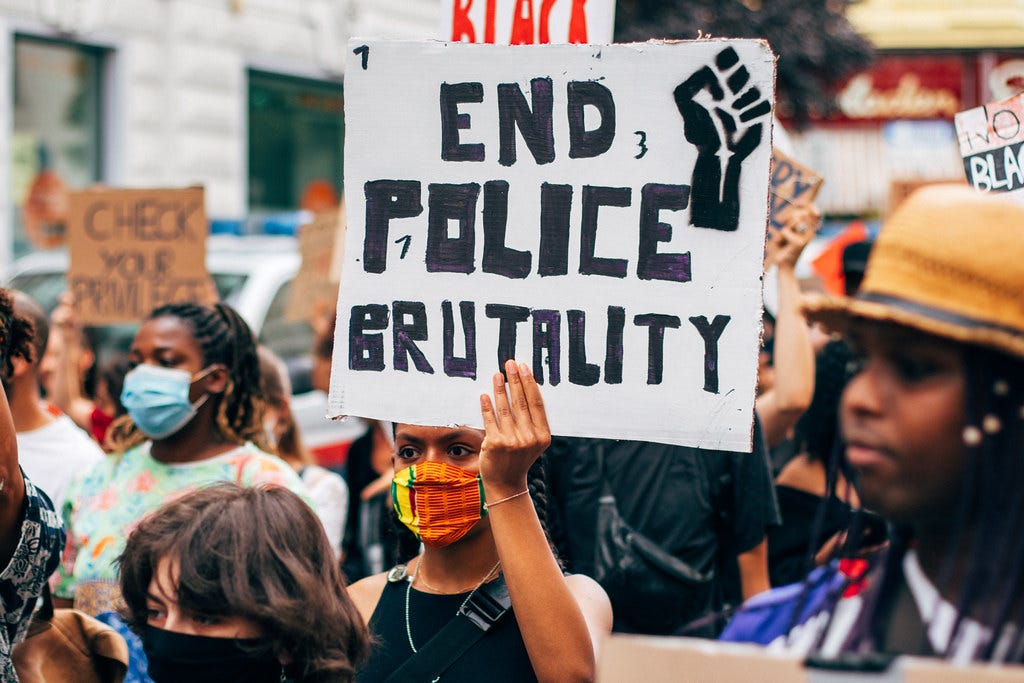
(499, 656)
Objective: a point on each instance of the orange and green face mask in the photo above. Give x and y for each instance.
(439, 502)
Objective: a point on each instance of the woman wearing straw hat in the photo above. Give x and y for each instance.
(933, 422)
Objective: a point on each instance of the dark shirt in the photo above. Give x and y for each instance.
(499, 656)
(701, 506)
(788, 544)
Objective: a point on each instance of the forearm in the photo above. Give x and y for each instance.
(552, 624)
(12, 486)
(782, 406)
(753, 566)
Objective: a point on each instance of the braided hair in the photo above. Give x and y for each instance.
(223, 338)
(16, 335)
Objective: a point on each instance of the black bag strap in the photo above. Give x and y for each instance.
(485, 607)
(606, 487)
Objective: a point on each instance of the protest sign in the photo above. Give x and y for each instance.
(598, 212)
(991, 139)
(322, 246)
(792, 185)
(133, 250)
(692, 660)
(527, 22)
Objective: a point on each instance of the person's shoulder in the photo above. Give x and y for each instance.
(101, 472)
(318, 478)
(77, 446)
(38, 506)
(254, 462)
(365, 593)
(255, 467)
(593, 602)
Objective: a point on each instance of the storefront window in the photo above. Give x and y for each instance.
(296, 129)
(56, 142)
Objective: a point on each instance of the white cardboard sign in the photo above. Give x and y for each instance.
(598, 212)
(992, 145)
(527, 22)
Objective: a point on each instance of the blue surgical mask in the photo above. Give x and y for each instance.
(157, 399)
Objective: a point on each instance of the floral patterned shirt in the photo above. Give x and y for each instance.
(108, 501)
(22, 581)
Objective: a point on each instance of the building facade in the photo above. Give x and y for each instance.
(244, 97)
(894, 123)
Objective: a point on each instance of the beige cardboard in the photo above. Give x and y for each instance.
(134, 250)
(792, 184)
(901, 188)
(689, 660)
(322, 245)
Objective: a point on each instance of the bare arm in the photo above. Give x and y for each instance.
(365, 593)
(781, 406)
(754, 570)
(66, 382)
(561, 620)
(12, 485)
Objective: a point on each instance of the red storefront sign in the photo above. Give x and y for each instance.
(905, 87)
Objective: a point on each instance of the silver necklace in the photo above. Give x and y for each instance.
(408, 592)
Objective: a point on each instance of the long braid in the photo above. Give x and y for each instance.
(240, 413)
(537, 483)
(991, 595)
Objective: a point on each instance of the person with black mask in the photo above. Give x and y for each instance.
(239, 584)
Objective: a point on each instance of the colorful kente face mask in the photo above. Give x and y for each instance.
(439, 502)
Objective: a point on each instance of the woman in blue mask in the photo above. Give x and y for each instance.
(195, 416)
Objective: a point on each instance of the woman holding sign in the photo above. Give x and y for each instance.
(486, 598)
(195, 416)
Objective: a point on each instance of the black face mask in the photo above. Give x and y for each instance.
(182, 658)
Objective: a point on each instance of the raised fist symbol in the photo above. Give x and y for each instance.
(723, 118)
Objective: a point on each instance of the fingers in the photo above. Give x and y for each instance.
(502, 408)
(518, 409)
(521, 409)
(535, 402)
(487, 411)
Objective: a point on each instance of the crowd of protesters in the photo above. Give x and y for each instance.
(169, 498)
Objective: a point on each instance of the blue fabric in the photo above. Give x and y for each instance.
(138, 666)
(769, 615)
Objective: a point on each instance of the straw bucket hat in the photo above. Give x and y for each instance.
(949, 262)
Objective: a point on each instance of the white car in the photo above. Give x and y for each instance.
(253, 274)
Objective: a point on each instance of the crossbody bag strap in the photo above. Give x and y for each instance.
(606, 486)
(485, 607)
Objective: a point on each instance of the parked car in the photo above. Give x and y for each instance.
(253, 274)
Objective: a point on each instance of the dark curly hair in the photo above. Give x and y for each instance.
(256, 553)
(16, 335)
(223, 337)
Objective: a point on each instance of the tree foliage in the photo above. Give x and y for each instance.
(816, 46)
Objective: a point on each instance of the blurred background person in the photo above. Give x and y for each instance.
(327, 489)
(86, 389)
(53, 450)
(30, 531)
